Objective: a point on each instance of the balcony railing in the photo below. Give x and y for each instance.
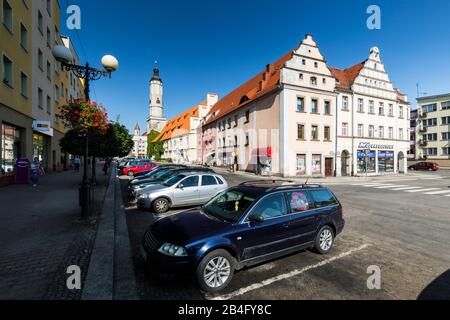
(423, 143)
(423, 115)
(423, 129)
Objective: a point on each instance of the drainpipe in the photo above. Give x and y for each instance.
(336, 135)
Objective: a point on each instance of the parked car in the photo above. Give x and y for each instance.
(429, 166)
(138, 167)
(142, 176)
(242, 226)
(183, 189)
(138, 187)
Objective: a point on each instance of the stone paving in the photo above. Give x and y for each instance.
(41, 234)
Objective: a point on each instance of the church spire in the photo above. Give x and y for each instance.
(156, 73)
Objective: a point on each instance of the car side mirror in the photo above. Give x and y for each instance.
(181, 186)
(255, 218)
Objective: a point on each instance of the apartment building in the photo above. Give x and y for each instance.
(412, 155)
(16, 115)
(140, 143)
(433, 140)
(373, 120)
(179, 135)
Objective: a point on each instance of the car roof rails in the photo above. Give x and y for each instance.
(285, 184)
(259, 182)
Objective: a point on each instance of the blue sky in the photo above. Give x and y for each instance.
(215, 45)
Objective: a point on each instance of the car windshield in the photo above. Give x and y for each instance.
(229, 205)
(174, 180)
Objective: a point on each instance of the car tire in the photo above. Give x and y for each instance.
(324, 240)
(161, 205)
(130, 174)
(216, 263)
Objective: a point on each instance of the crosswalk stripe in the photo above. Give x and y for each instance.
(391, 186)
(405, 188)
(367, 184)
(438, 192)
(422, 190)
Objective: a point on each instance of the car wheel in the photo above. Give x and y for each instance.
(324, 240)
(215, 271)
(130, 173)
(161, 205)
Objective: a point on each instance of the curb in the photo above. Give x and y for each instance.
(111, 273)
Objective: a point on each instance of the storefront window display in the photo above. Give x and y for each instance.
(11, 146)
(370, 159)
(40, 149)
(385, 161)
(301, 165)
(316, 164)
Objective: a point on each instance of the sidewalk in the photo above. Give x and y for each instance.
(41, 234)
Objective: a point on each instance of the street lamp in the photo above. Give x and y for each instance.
(110, 64)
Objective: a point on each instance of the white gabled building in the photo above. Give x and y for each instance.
(180, 134)
(140, 143)
(372, 120)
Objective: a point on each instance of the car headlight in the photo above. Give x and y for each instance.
(144, 196)
(172, 250)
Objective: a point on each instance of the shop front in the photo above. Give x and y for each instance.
(375, 159)
(11, 147)
(42, 135)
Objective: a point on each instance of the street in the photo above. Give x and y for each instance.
(399, 224)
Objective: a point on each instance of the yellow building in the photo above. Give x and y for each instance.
(15, 87)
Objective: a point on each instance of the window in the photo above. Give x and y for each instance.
(344, 103)
(391, 133)
(304, 62)
(49, 71)
(40, 98)
(430, 151)
(400, 112)
(446, 136)
(40, 22)
(247, 116)
(190, 182)
(316, 164)
(324, 81)
(7, 16)
(40, 60)
(49, 7)
(272, 206)
(219, 180)
(381, 132)
(57, 93)
(300, 76)
(446, 151)
(314, 133)
(247, 140)
(7, 71)
(314, 106)
(300, 132)
(208, 181)
(299, 201)
(316, 65)
(360, 105)
(391, 110)
(371, 131)
(326, 133)
(23, 37)
(381, 109)
(445, 121)
(430, 107)
(360, 130)
(430, 122)
(430, 137)
(345, 129)
(371, 107)
(236, 120)
(400, 134)
(445, 105)
(229, 123)
(23, 84)
(235, 141)
(301, 164)
(300, 104)
(323, 198)
(313, 81)
(327, 107)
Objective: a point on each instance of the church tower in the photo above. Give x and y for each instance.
(156, 120)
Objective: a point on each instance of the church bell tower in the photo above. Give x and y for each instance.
(156, 120)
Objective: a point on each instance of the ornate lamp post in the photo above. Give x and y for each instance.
(110, 64)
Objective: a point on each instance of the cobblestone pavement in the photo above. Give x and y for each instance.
(41, 234)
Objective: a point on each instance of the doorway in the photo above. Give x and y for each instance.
(328, 167)
(345, 159)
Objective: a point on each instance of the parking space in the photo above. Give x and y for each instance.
(404, 234)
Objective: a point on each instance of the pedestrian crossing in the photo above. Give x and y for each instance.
(443, 192)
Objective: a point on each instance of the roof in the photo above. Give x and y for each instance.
(440, 96)
(261, 84)
(346, 77)
(137, 127)
(179, 125)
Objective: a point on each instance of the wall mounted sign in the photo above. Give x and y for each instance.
(368, 145)
(43, 127)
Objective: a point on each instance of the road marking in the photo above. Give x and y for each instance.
(422, 190)
(389, 186)
(288, 275)
(438, 192)
(369, 184)
(406, 188)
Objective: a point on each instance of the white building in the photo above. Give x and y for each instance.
(373, 126)
(156, 120)
(180, 134)
(140, 143)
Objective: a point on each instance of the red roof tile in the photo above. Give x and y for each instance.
(347, 76)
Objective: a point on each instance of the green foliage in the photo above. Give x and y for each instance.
(154, 149)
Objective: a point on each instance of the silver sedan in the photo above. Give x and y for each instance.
(186, 189)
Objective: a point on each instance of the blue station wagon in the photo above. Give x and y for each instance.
(243, 226)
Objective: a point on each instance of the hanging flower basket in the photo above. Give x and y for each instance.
(84, 116)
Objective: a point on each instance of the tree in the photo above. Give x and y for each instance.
(155, 149)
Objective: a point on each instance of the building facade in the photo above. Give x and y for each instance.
(156, 120)
(412, 155)
(373, 121)
(140, 143)
(433, 140)
(180, 134)
(301, 117)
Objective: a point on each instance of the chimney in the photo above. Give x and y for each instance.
(268, 68)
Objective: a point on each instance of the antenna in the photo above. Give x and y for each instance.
(420, 93)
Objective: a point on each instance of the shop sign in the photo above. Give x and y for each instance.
(368, 145)
(43, 127)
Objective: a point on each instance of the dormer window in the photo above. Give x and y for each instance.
(313, 81)
(316, 65)
(301, 76)
(304, 62)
